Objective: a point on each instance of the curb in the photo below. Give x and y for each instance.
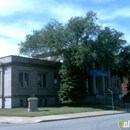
(61, 117)
(70, 118)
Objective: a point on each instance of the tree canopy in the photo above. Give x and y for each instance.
(79, 43)
(54, 39)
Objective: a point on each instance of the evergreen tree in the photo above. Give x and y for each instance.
(72, 85)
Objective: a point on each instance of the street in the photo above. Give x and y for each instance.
(108, 122)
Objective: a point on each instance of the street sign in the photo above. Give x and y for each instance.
(99, 73)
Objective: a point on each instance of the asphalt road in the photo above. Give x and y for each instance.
(109, 122)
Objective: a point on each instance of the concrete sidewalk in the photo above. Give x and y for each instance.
(22, 120)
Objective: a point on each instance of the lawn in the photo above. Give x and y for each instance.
(43, 111)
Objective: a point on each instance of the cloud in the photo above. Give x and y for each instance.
(23, 26)
(28, 15)
(10, 7)
(97, 1)
(11, 35)
(102, 1)
(114, 14)
(8, 49)
(64, 12)
(18, 31)
(48, 9)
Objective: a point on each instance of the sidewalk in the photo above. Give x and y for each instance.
(22, 120)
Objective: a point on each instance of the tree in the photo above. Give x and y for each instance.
(54, 39)
(124, 66)
(72, 42)
(78, 43)
(107, 48)
(49, 40)
(124, 63)
(72, 84)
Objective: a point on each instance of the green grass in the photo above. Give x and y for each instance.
(43, 111)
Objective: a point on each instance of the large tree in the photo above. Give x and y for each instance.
(79, 43)
(72, 43)
(55, 39)
(107, 47)
(72, 85)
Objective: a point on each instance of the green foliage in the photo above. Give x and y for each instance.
(107, 47)
(72, 42)
(49, 40)
(79, 43)
(124, 65)
(54, 39)
(73, 76)
(72, 86)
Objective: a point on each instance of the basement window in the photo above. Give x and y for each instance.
(40, 102)
(45, 101)
(21, 102)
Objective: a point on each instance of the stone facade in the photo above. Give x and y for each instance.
(22, 77)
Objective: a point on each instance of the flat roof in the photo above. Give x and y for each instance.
(27, 60)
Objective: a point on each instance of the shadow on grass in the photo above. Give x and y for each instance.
(43, 110)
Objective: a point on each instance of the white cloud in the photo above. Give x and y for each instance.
(53, 9)
(8, 49)
(12, 32)
(15, 32)
(102, 1)
(114, 14)
(10, 7)
(98, 1)
(64, 12)
(18, 31)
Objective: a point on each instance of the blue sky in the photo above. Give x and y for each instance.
(19, 17)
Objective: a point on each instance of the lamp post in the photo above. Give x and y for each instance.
(112, 99)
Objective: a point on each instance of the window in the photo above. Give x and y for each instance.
(26, 102)
(24, 79)
(57, 101)
(56, 81)
(21, 102)
(45, 101)
(116, 82)
(41, 80)
(40, 102)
